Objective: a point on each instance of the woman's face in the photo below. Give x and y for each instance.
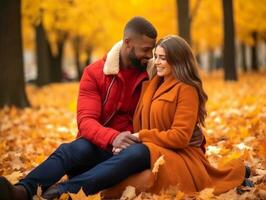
(161, 64)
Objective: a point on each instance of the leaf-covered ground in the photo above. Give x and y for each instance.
(235, 127)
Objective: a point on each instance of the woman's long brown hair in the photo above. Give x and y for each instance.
(185, 68)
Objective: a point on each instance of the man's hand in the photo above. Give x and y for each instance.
(116, 151)
(129, 140)
(124, 140)
(197, 138)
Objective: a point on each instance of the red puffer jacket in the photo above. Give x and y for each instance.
(100, 97)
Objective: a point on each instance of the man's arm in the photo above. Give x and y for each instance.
(89, 112)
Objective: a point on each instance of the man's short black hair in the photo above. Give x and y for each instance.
(141, 26)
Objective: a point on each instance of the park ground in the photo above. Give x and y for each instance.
(235, 128)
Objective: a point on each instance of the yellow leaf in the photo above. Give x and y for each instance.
(79, 196)
(95, 197)
(39, 191)
(180, 195)
(64, 197)
(206, 194)
(129, 193)
(38, 196)
(82, 196)
(159, 161)
(14, 177)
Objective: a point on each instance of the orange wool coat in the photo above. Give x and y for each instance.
(165, 119)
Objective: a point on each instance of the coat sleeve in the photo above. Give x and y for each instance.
(185, 118)
(89, 112)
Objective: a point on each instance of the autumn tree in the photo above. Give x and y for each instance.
(92, 27)
(254, 54)
(42, 55)
(243, 57)
(86, 38)
(250, 27)
(54, 16)
(229, 42)
(12, 86)
(184, 19)
(48, 18)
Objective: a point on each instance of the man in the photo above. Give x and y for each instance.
(109, 92)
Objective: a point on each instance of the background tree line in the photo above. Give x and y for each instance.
(92, 27)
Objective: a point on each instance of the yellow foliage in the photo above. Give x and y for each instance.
(79, 196)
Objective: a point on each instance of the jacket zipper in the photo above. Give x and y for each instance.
(105, 100)
(106, 122)
(108, 90)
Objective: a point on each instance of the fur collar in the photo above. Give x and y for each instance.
(111, 65)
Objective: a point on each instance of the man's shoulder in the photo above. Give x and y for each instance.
(96, 66)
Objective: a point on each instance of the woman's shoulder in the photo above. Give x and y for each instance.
(186, 89)
(145, 84)
(184, 85)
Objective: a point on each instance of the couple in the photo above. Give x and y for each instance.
(125, 124)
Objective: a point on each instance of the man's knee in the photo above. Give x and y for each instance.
(137, 152)
(81, 146)
(77, 148)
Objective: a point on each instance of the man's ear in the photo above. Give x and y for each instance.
(127, 42)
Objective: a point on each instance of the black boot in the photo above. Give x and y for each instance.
(247, 182)
(11, 192)
(247, 171)
(51, 193)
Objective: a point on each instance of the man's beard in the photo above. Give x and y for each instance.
(136, 62)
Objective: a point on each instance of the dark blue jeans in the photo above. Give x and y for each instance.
(87, 166)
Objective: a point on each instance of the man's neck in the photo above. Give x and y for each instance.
(124, 62)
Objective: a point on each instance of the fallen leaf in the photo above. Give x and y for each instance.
(80, 196)
(160, 161)
(129, 193)
(206, 194)
(14, 177)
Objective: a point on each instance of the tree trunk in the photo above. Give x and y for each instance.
(243, 57)
(12, 84)
(43, 61)
(218, 60)
(211, 60)
(88, 53)
(254, 54)
(56, 62)
(229, 42)
(76, 46)
(198, 59)
(184, 19)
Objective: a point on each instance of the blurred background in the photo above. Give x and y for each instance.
(76, 32)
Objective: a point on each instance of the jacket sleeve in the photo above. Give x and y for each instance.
(185, 118)
(89, 112)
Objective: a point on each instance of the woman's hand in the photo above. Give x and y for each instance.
(136, 135)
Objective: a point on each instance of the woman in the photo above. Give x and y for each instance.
(171, 107)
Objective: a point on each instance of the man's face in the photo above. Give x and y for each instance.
(141, 51)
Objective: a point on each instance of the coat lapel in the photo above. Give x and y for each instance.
(146, 103)
(165, 86)
(152, 91)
